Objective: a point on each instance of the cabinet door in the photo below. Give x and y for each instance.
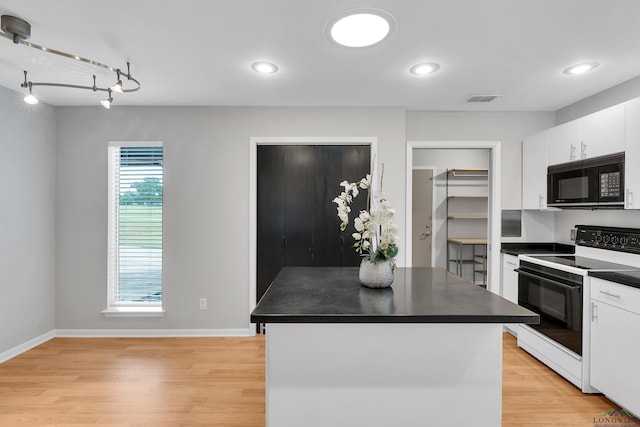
(632, 155)
(534, 171)
(614, 354)
(510, 285)
(602, 132)
(510, 278)
(564, 143)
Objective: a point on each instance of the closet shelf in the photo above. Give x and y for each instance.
(467, 217)
(470, 172)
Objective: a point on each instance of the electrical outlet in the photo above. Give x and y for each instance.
(203, 303)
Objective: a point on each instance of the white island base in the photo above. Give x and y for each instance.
(383, 374)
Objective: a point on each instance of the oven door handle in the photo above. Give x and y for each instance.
(546, 279)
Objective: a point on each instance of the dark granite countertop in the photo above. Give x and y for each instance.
(418, 295)
(629, 278)
(534, 248)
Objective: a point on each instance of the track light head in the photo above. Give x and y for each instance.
(30, 98)
(106, 103)
(117, 87)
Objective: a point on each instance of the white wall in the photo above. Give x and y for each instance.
(206, 199)
(27, 185)
(206, 202)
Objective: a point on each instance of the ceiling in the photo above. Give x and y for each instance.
(196, 52)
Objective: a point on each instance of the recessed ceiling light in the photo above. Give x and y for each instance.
(581, 68)
(264, 67)
(424, 69)
(361, 27)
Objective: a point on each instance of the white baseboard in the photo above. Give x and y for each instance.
(150, 333)
(13, 352)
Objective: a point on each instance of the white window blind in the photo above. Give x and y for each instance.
(135, 224)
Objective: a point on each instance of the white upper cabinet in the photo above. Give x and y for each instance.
(632, 155)
(564, 143)
(534, 171)
(612, 130)
(597, 134)
(602, 132)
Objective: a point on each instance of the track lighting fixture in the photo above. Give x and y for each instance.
(19, 30)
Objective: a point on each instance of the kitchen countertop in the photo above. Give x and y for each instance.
(534, 248)
(418, 295)
(629, 278)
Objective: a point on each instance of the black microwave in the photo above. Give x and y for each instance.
(590, 183)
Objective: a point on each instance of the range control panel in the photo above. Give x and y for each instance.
(611, 238)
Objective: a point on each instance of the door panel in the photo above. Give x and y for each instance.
(327, 237)
(270, 226)
(422, 210)
(299, 205)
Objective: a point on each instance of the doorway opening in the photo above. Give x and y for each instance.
(440, 242)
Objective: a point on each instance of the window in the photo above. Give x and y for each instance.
(135, 228)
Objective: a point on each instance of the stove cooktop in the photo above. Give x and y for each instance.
(583, 262)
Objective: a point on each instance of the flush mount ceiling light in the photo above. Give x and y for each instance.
(581, 68)
(264, 67)
(361, 27)
(19, 30)
(424, 69)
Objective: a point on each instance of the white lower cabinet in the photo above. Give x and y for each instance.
(615, 328)
(510, 285)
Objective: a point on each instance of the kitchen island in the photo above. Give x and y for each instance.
(427, 351)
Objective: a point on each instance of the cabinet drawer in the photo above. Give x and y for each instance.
(615, 294)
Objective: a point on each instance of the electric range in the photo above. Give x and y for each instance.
(557, 287)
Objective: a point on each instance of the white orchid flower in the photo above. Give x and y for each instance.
(365, 183)
(374, 227)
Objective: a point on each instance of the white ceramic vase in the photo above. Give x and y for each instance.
(376, 274)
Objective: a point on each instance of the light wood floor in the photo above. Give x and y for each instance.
(216, 382)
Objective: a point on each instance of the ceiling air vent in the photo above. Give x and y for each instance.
(481, 98)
